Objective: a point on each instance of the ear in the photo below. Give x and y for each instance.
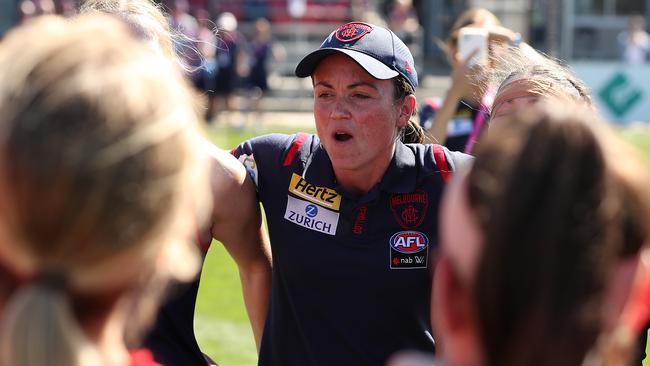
(406, 109)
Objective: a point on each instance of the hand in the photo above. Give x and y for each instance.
(464, 75)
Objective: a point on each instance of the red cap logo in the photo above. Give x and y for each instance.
(352, 31)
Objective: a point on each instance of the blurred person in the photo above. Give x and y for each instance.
(459, 120)
(520, 82)
(235, 220)
(261, 47)
(231, 66)
(403, 20)
(534, 239)
(204, 77)
(102, 183)
(352, 211)
(634, 43)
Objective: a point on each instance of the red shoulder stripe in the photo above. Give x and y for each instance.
(295, 146)
(441, 161)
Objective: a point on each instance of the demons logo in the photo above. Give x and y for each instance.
(409, 209)
(352, 31)
(409, 242)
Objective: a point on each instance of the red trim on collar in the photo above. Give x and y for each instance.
(295, 146)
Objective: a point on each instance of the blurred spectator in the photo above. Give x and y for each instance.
(260, 48)
(403, 20)
(231, 65)
(459, 120)
(205, 76)
(634, 44)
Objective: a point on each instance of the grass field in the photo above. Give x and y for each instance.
(221, 324)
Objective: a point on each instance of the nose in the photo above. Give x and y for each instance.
(340, 110)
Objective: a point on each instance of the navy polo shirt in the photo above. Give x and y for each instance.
(351, 275)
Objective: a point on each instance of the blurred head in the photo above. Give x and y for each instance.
(473, 17)
(532, 237)
(99, 154)
(522, 81)
(227, 22)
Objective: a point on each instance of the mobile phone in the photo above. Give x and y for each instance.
(470, 39)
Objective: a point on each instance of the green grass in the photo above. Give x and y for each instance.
(221, 324)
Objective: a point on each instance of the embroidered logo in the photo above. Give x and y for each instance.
(409, 209)
(311, 216)
(323, 196)
(251, 167)
(357, 229)
(352, 31)
(408, 249)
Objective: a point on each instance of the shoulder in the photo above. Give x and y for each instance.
(274, 147)
(437, 158)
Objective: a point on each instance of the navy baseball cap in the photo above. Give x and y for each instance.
(378, 50)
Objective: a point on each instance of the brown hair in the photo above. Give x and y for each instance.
(412, 132)
(98, 151)
(557, 213)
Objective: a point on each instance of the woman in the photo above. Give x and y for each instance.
(101, 180)
(235, 219)
(520, 81)
(352, 211)
(460, 119)
(552, 212)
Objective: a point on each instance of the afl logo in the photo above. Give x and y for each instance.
(352, 31)
(311, 210)
(409, 241)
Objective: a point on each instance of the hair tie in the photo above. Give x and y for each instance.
(53, 279)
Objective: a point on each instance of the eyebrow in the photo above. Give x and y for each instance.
(351, 86)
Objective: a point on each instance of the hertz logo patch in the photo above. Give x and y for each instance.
(326, 197)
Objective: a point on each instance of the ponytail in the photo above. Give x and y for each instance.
(412, 133)
(39, 328)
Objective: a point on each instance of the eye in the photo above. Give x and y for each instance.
(360, 96)
(323, 94)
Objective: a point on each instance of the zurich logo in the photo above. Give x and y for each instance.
(311, 210)
(409, 241)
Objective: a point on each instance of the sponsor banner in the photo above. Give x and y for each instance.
(621, 92)
(409, 250)
(311, 216)
(326, 197)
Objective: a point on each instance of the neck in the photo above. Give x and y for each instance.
(360, 181)
(107, 334)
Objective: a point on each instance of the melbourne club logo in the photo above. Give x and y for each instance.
(409, 209)
(352, 31)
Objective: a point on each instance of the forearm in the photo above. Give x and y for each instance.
(438, 131)
(256, 288)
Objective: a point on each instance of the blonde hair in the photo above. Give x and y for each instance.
(100, 166)
(145, 18)
(545, 75)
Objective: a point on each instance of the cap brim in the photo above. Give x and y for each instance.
(373, 66)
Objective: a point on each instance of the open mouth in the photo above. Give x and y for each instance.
(342, 136)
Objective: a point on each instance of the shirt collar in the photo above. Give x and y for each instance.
(400, 177)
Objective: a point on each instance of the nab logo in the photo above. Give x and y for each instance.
(409, 242)
(311, 211)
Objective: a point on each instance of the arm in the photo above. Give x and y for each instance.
(461, 85)
(237, 224)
